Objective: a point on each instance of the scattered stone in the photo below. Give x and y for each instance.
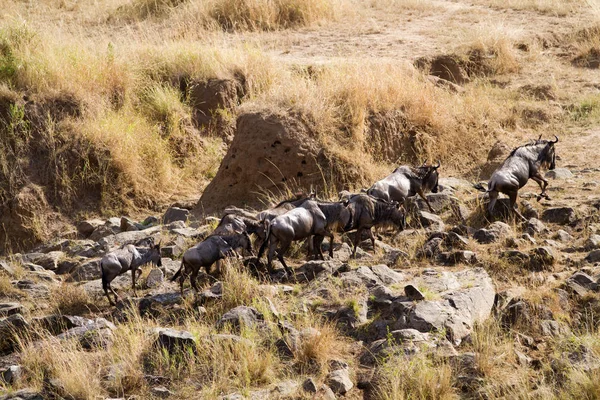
(14, 325)
(534, 226)
(175, 214)
(522, 359)
(563, 236)
(10, 375)
(593, 256)
(541, 259)
(86, 272)
(49, 260)
(431, 248)
(560, 215)
(6, 268)
(309, 385)
(241, 315)
(155, 278)
(431, 221)
(528, 210)
(592, 243)
(495, 232)
(85, 228)
(559, 173)
(315, 268)
(175, 341)
(161, 392)
(458, 257)
(455, 241)
(339, 381)
(155, 304)
(413, 293)
(7, 309)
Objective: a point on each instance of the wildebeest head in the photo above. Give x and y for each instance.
(548, 156)
(398, 216)
(155, 255)
(430, 181)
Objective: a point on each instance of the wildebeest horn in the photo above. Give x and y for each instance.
(554, 141)
(540, 137)
(437, 166)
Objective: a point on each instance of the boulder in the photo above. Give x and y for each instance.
(85, 228)
(541, 259)
(155, 278)
(563, 236)
(315, 268)
(493, 233)
(431, 221)
(560, 215)
(113, 242)
(241, 315)
(593, 256)
(49, 260)
(592, 243)
(534, 226)
(7, 309)
(10, 375)
(559, 173)
(175, 214)
(11, 327)
(339, 381)
(175, 341)
(87, 271)
(439, 202)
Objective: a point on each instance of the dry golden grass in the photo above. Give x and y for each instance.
(69, 299)
(553, 7)
(418, 377)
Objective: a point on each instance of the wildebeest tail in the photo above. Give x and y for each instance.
(178, 271)
(104, 278)
(267, 237)
(480, 187)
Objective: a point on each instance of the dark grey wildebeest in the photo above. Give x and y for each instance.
(311, 218)
(405, 182)
(368, 211)
(129, 258)
(523, 163)
(207, 252)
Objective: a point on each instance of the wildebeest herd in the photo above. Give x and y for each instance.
(306, 217)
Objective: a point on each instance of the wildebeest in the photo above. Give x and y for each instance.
(405, 182)
(207, 252)
(311, 218)
(368, 211)
(523, 163)
(129, 258)
(231, 224)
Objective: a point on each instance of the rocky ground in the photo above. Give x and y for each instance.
(425, 291)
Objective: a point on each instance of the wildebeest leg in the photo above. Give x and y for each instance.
(493, 197)
(513, 204)
(194, 278)
(317, 242)
(133, 273)
(282, 250)
(331, 237)
(372, 236)
(357, 238)
(425, 198)
(271, 253)
(543, 185)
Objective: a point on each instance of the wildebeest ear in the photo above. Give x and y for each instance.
(158, 245)
(345, 202)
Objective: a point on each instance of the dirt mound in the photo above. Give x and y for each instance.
(270, 153)
(391, 136)
(496, 157)
(214, 102)
(446, 66)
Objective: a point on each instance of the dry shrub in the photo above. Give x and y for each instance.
(137, 10)
(70, 299)
(74, 369)
(266, 15)
(7, 289)
(418, 377)
(553, 7)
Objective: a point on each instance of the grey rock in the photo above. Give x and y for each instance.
(49, 260)
(7, 268)
(593, 256)
(13, 326)
(175, 341)
(115, 241)
(190, 233)
(241, 315)
(150, 221)
(592, 243)
(309, 385)
(155, 278)
(455, 241)
(154, 304)
(431, 221)
(161, 392)
(339, 381)
(24, 394)
(171, 251)
(495, 232)
(563, 236)
(534, 226)
(439, 202)
(431, 248)
(560, 215)
(127, 225)
(386, 275)
(413, 293)
(458, 257)
(7, 309)
(315, 268)
(175, 214)
(169, 267)
(87, 271)
(559, 173)
(541, 259)
(10, 375)
(86, 227)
